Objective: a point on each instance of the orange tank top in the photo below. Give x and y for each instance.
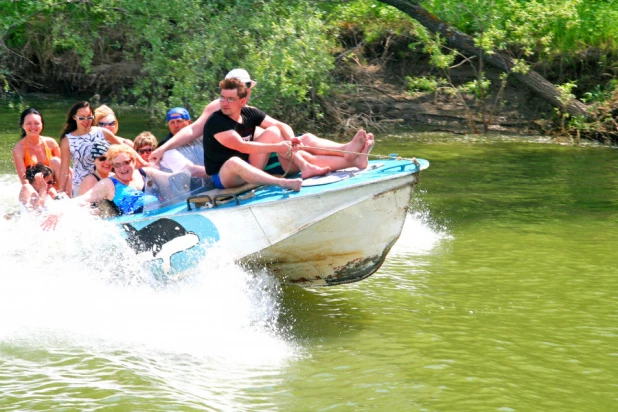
(28, 161)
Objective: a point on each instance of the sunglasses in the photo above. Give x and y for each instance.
(108, 124)
(102, 158)
(248, 84)
(50, 182)
(82, 118)
(142, 151)
(125, 163)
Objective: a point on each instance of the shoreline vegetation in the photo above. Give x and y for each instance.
(503, 66)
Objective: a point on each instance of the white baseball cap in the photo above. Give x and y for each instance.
(242, 75)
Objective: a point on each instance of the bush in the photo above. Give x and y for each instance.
(181, 49)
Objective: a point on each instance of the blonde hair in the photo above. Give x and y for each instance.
(116, 149)
(104, 111)
(145, 139)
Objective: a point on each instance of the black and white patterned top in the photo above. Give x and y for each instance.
(80, 147)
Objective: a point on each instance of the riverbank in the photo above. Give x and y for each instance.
(381, 99)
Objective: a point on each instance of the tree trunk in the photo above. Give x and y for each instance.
(461, 41)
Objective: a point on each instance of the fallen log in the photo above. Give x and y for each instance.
(461, 41)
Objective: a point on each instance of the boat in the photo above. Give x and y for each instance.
(338, 229)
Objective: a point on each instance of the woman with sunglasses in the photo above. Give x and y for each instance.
(105, 117)
(102, 167)
(40, 184)
(144, 144)
(76, 141)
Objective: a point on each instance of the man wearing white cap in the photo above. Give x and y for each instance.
(196, 130)
(234, 155)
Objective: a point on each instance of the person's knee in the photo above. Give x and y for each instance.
(270, 134)
(234, 163)
(274, 130)
(306, 136)
(306, 155)
(54, 162)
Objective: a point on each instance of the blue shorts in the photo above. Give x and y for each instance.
(217, 181)
(273, 167)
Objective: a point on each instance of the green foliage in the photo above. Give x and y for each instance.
(538, 27)
(439, 57)
(566, 95)
(289, 54)
(478, 88)
(425, 83)
(183, 47)
(372, 18)
(600, 94)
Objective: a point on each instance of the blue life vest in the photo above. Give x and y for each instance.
(130, 200)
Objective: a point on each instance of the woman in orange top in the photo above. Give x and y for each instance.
(34, 148)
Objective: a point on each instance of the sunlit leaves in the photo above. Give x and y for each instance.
(371, 17)
(184, 47)
(541, 28)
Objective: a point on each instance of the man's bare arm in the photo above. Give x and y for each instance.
(187, 134)
(232, 140)
(286, 130)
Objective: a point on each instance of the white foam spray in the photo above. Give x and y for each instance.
(82, 284)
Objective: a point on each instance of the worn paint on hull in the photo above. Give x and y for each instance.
(347, 246)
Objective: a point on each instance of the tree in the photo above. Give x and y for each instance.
(461, 41)
(164, 53)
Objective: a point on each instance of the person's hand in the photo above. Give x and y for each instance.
(297, 144)
(50, 222)
(156, 156)
(40, 182)
(140, 162)
(286, 148)
(51, 191)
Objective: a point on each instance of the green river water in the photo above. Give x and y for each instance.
(501, 295)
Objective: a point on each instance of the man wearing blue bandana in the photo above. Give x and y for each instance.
(178, 118)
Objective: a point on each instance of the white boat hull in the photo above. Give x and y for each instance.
(348, 245)
(334, 234)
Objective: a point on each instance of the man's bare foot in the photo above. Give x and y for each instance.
(356, 145)
(362, 160)
(309, 170)
(292, 184)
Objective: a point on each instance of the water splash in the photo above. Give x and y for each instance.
(419, 235)
(82, 285)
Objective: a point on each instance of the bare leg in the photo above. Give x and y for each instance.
(338, 162)
(331, 162)
(236, 172)
(332, 148)
(268, 135)
(356, 145)
(309, 169)
(54, 164)
(362, 160)
(260, 160)
(293, 164)
(314, 141)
